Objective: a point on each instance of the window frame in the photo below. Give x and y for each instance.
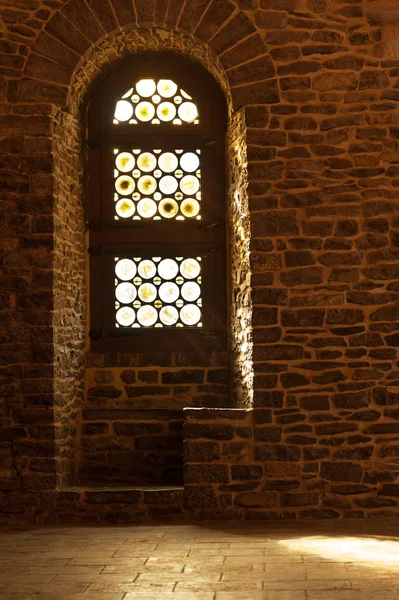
(109, 237)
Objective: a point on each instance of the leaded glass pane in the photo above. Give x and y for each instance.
(156, 101)
(157, 185)
(158, 292)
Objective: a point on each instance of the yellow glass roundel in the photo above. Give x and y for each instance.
(190, 208)
(147, 185)
(146, 208)
(168, 162)
(146, 162)
(168, 268)
(190, 314)
(156, 101)
(124, 185)
(168, 184)
(125, 269)
(147, 269)
(189, 185)
(147, 316)
(165, 292)
(190, 268)
(168, 315)
(191, 291)
(169, 292)
(123, 110)
(189, 162)
(166, 111)
(145, 111)
(125, 208)
(125, 293)
(147, 292)
(146, 87)
(168, 208)
(125, 162)
(188, 112)
(125, 316)
(166, 88)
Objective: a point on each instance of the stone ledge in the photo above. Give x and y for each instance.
(203, 414)
(162, 495)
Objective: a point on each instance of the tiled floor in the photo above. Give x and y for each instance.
(202, 561)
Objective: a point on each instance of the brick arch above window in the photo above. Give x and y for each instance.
(75, 32)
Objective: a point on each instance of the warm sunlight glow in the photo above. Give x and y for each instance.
(374, 552)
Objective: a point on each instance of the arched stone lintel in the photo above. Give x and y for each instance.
(131, 40)
(67, 43)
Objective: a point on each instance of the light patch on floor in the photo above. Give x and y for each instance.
(365, 551)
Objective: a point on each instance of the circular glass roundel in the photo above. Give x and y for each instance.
(168, 268)
(189, 162)
(125, 162)
(146, 208)
(147, 316)
(188, 112)
(147, 269)
(125, 208)
(190, 208)
(168, 162)
(125, 316)
(124, 185)
(190, 314)
(123, 110)
(168, 208)
(168, 315)
(166, 88)
(189, 185)
(190, 268)
(191, 291)
(168, 185)
(146, 162)
(144, 111)
(169, 292)
(147, 185)
(147, 292)
(125, 293)
(125, 269)
(146, 87)
(166, 111)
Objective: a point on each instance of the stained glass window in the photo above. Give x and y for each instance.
(157, 185)
(156, 101)
(156, 206)
(158, 292)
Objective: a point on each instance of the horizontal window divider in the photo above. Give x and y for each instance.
(143, 238)
(170, 141)
(154, 249)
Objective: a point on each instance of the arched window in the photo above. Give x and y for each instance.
(156, 191)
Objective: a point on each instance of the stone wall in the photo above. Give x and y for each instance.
(319, 90)
(69, 291)
(242, 375)
(133, 416)
(307, 462)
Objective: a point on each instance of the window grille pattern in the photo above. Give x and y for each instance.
(158, 292)
(157, 185)
(156, 101)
